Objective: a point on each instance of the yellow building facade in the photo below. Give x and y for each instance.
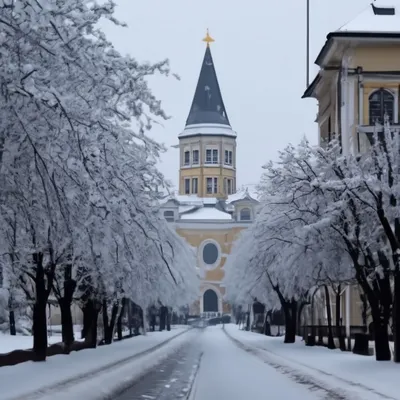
(357, 87)
(208, 210)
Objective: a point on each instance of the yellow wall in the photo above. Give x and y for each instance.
(225, 238)
(202, 173)
(377, 58)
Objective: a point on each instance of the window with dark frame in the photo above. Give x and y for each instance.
(187, 158)
(195, 157)
(381, 103)
(245, 214)
(187, 185)
(208, 156)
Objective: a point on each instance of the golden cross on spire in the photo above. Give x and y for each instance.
(208, 39)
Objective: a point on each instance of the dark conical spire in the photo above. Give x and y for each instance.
(207, 106)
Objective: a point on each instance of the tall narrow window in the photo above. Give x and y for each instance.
(187, 185)
(208, 156)
(212, 185)
(228, 157)
(215, 156)
(187, 157)
(209, 185)
(229, 186)
(195, 184)
(195, 159)
(381, 103)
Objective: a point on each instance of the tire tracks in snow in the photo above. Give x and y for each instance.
(314, 384)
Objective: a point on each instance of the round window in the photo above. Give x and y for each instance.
(210, 254)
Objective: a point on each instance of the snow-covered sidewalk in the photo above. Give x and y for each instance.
(9, 343)
(357, 374)
(67, 374)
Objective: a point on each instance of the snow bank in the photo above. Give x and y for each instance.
(10, 343)
(108, 384)
(332, 366)
(60, 371)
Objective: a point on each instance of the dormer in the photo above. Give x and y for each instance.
(170, 210)
(243, 205)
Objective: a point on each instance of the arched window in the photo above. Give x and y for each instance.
(210, 301)
(245, 214)
(169, 216)
(381, 102)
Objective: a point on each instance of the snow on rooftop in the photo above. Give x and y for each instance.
(242, 194)
(372, 21)
(192, 200)
(186, 208)
(208, 129)
(207, 213)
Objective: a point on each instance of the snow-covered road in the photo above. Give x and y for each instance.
(211, 366)
(228, 372)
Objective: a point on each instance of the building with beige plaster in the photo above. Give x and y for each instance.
(357, 85)
(208, 210)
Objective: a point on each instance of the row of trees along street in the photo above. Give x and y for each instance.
(326, 221)
(79, 184)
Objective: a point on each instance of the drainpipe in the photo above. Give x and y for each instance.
(360, 104)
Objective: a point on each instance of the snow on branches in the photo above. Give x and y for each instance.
(79, 197)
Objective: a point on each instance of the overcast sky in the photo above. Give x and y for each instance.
(259, 55)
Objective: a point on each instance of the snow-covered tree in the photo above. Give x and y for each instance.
(77, 172)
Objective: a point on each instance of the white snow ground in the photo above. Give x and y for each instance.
(229, 373)
(37, 380)
(353, 376)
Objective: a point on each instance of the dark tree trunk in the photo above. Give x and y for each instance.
(13, 330)
(90, 315)
(130, 317)
(290, 311)
(120, 316)
(396, 317)
(163, 317)
(379, 296)
(109, 326)
(267, 325)
(331, 342)
(39, 311)
(169, 316)
(340, 336)
(382, 349)
(67, 325)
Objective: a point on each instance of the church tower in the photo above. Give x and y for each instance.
(207, 145)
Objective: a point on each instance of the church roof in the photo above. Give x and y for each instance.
(378, 17)
(207, 106)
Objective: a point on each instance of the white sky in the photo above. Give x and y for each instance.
(259, 55)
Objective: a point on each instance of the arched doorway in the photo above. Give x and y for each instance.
(210, 301)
